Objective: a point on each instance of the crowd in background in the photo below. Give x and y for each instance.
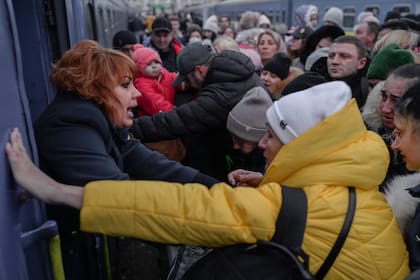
(202, 91)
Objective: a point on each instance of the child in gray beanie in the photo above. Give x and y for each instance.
(247, 119)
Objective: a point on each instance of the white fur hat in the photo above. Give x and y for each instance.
(294, 114)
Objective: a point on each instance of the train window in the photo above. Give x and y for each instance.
(349, 15)
(402, 9)
(376, 11)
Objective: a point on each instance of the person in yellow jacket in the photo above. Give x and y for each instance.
(316, 141)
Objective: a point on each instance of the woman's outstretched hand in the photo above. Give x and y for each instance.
(29, 177)
(241, 177)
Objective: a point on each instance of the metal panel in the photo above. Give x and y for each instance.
(17, 262)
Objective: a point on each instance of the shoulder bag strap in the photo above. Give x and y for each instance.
(292, 218)
(323, 270)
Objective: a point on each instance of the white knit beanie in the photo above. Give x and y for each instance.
(211, 24)
(334, 15)
(247, 119)
(294, 114)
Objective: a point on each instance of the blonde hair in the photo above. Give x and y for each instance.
(403, 38)
(225, 43)
(93, 72)
(281, 45)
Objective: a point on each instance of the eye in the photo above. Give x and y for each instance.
(384, 96)
(125, 84)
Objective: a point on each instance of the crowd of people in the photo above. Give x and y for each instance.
(186, 138)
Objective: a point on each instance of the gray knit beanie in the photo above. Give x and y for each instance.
(247, 119)
(334, 15)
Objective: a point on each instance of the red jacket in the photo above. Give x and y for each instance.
(156, 95)
(157, 92)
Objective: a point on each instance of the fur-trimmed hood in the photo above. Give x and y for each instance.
(402, 203)
(371, 110)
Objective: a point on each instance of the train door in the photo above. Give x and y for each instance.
(25, 233)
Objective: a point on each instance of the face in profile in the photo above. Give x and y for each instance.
(127, 95)
(271, 145)
(406, 140)
(243, 145)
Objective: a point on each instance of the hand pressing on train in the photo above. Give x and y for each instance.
(32, 179)
(241, 177)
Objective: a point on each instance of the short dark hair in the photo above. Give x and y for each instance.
(373, 27)
(408, 106)
(347, 39)
(408, 71)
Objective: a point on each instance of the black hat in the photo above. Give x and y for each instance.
(392, 15)
(122, 38)
(161, 24)
(412, 21)
(279, 64)
(325, 31)
(304, 81)
(302, 32)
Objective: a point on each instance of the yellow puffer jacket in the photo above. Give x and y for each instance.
(323, 161)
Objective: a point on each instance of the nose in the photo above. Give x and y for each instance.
(135, 93)
(387, 106)
(263, 141)
(236, 146)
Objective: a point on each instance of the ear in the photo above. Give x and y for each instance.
(362, 63)
(201, 70)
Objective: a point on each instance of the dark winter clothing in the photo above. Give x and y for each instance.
(77, 143)
(230, 76)
(169, 57)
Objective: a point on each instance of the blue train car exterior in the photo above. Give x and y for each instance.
(282, 11)
(34, 35)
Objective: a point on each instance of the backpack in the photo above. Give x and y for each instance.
(282, 257)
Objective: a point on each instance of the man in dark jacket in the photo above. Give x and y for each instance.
(347, 61)
(221, 81)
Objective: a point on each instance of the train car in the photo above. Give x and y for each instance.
(283, 11)
(34, 35)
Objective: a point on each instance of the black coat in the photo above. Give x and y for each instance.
(202, 122)
(77, 143)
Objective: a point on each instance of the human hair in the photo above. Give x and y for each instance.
(190, 29)
(410, 72)
(408, 106)
(93, 72)
(281, 46)
(248, 20)
(403, 38)
(347, 39)
(372, 27)
(225, 43)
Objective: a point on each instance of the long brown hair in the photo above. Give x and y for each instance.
(93, 72)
